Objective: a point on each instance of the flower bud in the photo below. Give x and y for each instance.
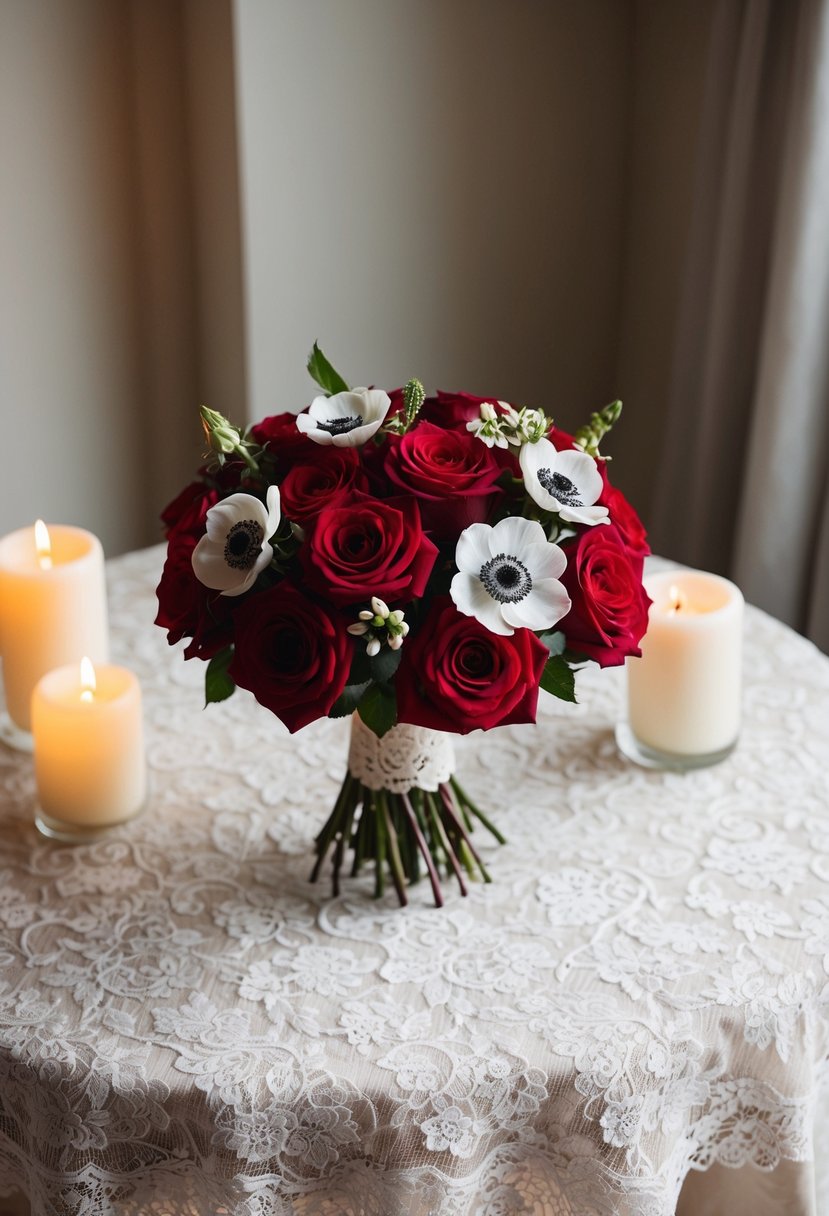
(396, 642)
(222, 435)
(379, 607)
(373, 647)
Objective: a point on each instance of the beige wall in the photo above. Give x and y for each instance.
(70, 395)
(120, 273)
(434, 189)
(669, 50)
(492, 196)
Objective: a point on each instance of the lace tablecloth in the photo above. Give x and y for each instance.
(187, 1026)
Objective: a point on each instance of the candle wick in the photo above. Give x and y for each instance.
(45, 561)
(87, 695)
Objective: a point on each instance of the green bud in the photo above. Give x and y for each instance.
(414, 394)
(221, 435)
(590, 436)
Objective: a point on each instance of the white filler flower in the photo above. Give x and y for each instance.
(567, 482)
(235, 548)
(508, 576)
(347, 420)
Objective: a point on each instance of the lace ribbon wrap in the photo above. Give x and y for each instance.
(407, 756)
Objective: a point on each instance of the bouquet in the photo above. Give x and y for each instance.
(426, 564)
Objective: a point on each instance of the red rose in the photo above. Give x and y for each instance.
(450, 473)
(187, 511)
(609, 612)
(622, 514)
(188, 609)
(366, 546)
(291, 654)
(282, 438)
(457, 676)
(309, 487)
(452, 411)
(562, 441)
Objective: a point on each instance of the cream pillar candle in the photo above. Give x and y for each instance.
(89, 749)
(52, 608)
(684, 692)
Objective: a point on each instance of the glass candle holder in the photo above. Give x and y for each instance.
(684, 693)
(89, 751)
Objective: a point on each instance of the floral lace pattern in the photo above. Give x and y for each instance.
(405, 756)
(188, 1026)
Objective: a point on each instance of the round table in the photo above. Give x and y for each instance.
(631, 1017)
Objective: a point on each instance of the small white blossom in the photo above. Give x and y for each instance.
(346, 420)
(510, 426)
(566, 482)
(508, 576)
(380, 625)
(235, 548)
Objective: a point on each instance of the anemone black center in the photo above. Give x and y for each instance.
(243, 544)
(341, 426)
(560, 487)
(506, 579)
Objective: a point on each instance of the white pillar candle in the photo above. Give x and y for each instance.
(684, 692)
(52, 608)
(89, 747)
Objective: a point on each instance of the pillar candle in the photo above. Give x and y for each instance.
(684, 692)
(52, 608)
(88, 746)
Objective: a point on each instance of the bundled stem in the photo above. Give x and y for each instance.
(396, 831)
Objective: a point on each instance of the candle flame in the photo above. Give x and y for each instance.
(43, 545)
(677, 600)
(88, 684)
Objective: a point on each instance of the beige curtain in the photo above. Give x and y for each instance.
(742, 486)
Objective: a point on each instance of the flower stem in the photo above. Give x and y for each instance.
(470, 806)
(380, 848)
(445, 794)
(424, 849)
(435, 809)
(395, 864)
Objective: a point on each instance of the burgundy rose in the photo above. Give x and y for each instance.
(291, 654)
(609, 613)
(365, 546)
(284, 442)
(452, 411)
(622, 514)
(187, 511)
(188, 609)
(457, 676)
(451, 474)
(307, 488)
(561, 440)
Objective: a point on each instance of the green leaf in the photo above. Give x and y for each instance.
(360, 665)
(348, 700)
(218, 685)
(554, 641)
(558, 679)
(329, 380)
(384, 664)
(378, 709)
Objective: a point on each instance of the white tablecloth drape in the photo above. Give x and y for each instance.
(187, 1026)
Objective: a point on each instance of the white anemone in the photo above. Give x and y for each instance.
(508, 576)
(566, 482)
(235, 548)
(347, 420)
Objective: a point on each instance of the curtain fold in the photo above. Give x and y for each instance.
(741, 483)
(781, 555)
